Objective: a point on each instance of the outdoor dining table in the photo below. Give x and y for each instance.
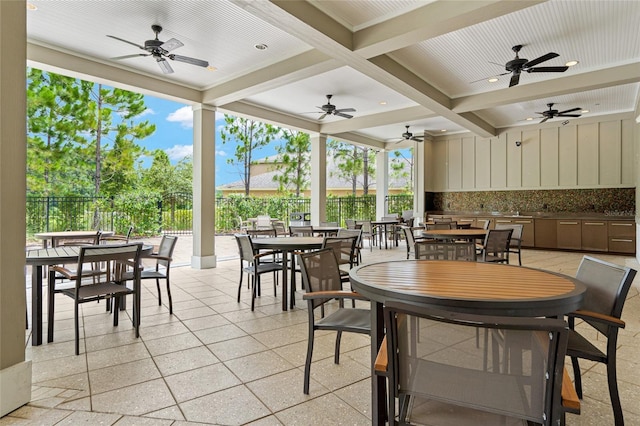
(56, 237)
(384, 224)
(287, 245)
(46, 257)
(326, 230)
(465, 287)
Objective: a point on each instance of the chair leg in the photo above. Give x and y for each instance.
(116, 310)
(169, 296)
(77, 326)
(307, 364)
(612, 379)
(159, 293)
(576, 376)
(51, 307)
(254, 284)
(240, 284)
(336, 355)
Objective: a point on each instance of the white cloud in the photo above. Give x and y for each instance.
(183, 115)
(147, 111)
(221, 153)
(178, 152)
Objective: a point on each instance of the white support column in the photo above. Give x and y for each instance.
(318, 178)
(15, 371)
(382, 183)
(418, 180)
(204, 187)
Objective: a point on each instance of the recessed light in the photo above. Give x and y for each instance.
(571, 63)
(383, 102)
(212, 68)
(584, 111)
(31, 6)
(443, 130)
(529, 118)
(493, 80)
(261, 46)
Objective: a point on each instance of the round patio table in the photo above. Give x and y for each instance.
(466, 287)
(286, 245)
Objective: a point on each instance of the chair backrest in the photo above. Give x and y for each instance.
(496, 243)
(485, 224)
(407, 214)
(262, 233)
(434, 354)
(607, 287)
(343, 248)
(408, 236)
(245, 247)
(329, 224)
(352, 233)
(301, 231)
(167, 244)
(442, 219)
(443, 225)
(120, 256)
(279, 228)
(350, 223)
(263, 221)
(445, 250)
(366, 227)
(320, 272)
(93, 240)
(390, 218)
(516, 235)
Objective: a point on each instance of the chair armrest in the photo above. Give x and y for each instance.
(263, 254)
(333, 295)
(570, 400)
(67, 273)
(595, 316)
(381, 366)
(157, 256)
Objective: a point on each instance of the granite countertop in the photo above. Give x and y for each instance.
(614, 215)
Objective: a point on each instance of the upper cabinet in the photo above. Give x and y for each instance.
(584, 155)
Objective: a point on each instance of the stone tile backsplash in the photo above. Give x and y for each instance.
(613, 201)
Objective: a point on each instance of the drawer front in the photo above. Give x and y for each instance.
(594, 235)
(622, 228)
(622, 245)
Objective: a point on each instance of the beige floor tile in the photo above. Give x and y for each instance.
(79, 417)
(186, 314)
(325, 410)
(111, 340)
(169, 413)
(121, 375)
(267, 421)
(259, 365)
(48, 370)
(81, 404)
(236, 348)
(335, 376)
(358, 396)
(234, 406)
(291, 384)
(184, 360)
(203, 381)
(142, 421)
(219, 334)
(172, 343)
(117, 355)
(204, 322)
(135, 400)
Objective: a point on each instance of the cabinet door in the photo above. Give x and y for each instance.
(569, 234)
(622, 236)
(594, 235)
(545, 233)
(528, 231)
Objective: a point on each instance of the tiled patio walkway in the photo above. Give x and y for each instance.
(216, 362)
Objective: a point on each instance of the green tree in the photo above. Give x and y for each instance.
(54, 103)
(249, 135)
(162, 177)
(402, 167)
(355, 164)
(293, 164)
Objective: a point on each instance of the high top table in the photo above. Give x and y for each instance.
(286, 245)
(466, 287)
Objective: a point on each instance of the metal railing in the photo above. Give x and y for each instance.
(173, 213)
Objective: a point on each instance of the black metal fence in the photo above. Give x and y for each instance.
(173, 213)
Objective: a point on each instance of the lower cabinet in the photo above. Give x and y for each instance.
(546, 231)
(622, 236)
(595, 235)
(569, 234)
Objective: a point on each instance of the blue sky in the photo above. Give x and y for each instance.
(174, 135)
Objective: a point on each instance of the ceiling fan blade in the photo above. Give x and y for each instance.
(344, 110)
(547, 69)
(188, 60)
(568, 115)
(540, 60)
(164, 66)
(171, 44)
(127, 41)
(322, 116)
(340, 114)
(515, 79)
(417, 139)
(570, 110)
(543, 120)
(130, 56)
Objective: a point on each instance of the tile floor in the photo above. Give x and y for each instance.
(216, 362)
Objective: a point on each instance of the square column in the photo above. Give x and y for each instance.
(204, 187)
(382, 183)
(418, 179)
(15, 371)
(318, 179)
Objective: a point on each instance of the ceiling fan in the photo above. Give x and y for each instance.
(330, 109)
(160, 51)
(408, 136)
(517, 65)
(552, 113)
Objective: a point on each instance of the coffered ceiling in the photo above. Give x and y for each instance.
(396, 62)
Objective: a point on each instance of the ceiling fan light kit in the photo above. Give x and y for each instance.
(159, 50)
